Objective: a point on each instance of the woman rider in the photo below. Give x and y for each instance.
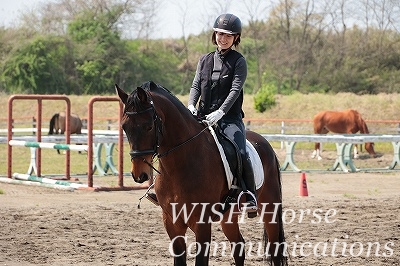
(218, 84)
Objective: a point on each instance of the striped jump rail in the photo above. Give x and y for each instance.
(97, 165)
(48, 145)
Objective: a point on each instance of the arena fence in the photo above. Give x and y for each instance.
(67, 146)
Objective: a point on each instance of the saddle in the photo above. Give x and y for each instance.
(232, 154)
(234, 160)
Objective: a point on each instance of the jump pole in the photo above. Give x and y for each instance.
(48, 145)
(47, 181)
(32, 183)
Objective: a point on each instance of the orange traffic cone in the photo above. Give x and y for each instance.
(303, 185)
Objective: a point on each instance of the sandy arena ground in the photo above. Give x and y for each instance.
(44, 226)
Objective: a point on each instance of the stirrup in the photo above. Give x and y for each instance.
(152, 197)
(250, 206)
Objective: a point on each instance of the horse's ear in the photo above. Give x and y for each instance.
(153, 85)
(121, 93)
(141, 94)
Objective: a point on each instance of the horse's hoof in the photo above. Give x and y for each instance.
(319, 158)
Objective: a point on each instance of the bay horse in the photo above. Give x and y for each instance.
(58, 123)
(191, 174)
(344, 122)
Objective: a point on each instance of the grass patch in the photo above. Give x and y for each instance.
(350, 196)
(373, 192)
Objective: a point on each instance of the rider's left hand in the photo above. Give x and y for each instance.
(215, 116)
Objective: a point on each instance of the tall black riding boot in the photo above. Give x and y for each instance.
(248, 178)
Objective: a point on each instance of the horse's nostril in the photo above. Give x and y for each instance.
(144, 177)
(140, 178)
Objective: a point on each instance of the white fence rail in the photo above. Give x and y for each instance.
(343, 143)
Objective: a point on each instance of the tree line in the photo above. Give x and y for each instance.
(79, 47)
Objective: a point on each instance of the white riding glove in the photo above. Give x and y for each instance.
(214, 117)
(192, 109)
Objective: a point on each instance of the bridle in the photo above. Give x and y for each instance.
(157, 123)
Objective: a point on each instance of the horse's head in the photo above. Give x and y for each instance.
(369, 147)
(142, 127)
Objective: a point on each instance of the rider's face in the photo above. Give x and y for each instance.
(224, 40)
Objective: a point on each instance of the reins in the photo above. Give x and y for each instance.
(150, 164)
(154, 151)
(180, 145)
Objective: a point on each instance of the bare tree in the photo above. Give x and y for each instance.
(133, 17)
(256, 12)
(300, 27)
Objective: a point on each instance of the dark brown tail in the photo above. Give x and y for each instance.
(52, 123)
(282, 252)
(364, 127)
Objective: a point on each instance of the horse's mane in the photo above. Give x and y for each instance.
(155, 89)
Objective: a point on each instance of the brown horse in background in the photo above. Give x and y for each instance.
(191, 174)
(58, 122)
(344, 122)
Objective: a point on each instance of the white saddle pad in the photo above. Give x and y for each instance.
(254, 157)
(256, 163)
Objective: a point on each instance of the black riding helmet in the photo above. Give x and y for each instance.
(227, 23)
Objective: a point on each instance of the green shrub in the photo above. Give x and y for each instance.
(264, 99)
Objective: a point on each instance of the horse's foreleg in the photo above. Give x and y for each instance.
(176, 232)
(355, 152)
(203, 243)
(317, 151)
(319, 154)
(232, 232)
(314, 154)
